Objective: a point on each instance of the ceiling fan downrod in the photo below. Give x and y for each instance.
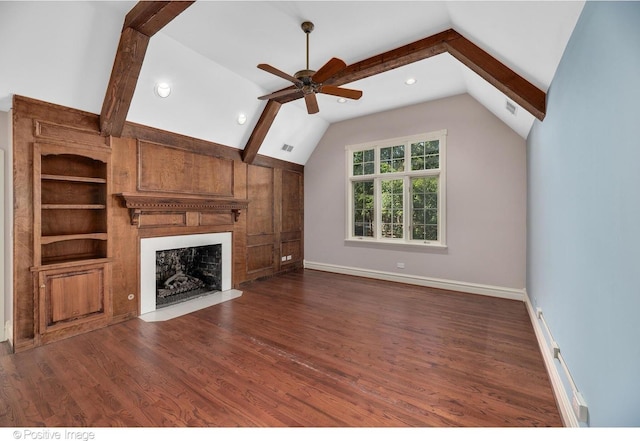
(307, 27)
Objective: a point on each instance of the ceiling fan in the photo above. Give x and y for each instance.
(309, 82)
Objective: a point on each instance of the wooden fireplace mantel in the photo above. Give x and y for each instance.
(188, 211)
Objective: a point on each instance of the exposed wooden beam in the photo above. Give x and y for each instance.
(260, 131)
(149, 17)
(500, 76)
(122, 84)
(143, 21)
(532, 99)
(410, 53)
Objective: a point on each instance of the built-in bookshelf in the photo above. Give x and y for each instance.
(71, 238)
(72, 205)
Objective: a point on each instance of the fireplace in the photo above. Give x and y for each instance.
(186, 273)
(175, 269)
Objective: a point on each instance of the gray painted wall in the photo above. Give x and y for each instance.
(584, 211)
(486, 192)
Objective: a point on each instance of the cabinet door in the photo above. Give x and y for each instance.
(71, 297)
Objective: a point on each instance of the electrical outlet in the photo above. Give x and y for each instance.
(580, 407)
(284, 258)
(400, 265)
(289, 257)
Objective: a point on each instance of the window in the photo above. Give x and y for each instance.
(396, 191)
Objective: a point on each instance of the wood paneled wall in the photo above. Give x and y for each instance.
(151, 162)
(274, 226)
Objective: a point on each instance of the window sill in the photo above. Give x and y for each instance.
(395, 244)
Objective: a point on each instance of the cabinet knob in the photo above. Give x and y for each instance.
(42, 286)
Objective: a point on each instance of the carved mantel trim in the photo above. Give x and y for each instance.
(139, 204)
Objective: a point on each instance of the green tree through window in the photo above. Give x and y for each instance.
(424, 197)
(397, 190)
(392, 209)
(363, 205)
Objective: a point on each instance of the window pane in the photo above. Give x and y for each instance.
(418, 200)
(369, 156)
(363, 209)
(392, 159)
(363, 162)
(392, 208)
(424, 214)
(431, 162)
(398, 165)
(431, 217)
(418, 217)
(369, 168)
(431, 232)
(432, 147)
(398, 151)
(417, 149)
(425, 155)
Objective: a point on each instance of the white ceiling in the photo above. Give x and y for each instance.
(62, 52)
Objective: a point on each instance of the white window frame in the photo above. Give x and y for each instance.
(406, 176)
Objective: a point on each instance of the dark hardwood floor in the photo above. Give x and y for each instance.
(306, 349)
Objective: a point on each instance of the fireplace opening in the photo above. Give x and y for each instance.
(185, 273)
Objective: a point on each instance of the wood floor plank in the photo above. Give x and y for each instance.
(304, 349)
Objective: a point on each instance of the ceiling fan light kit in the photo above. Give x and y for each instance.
(308, 82)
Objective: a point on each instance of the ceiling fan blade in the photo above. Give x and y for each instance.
(312, 103)
(280, 93)
(279, 73)
(330, 68)
(342, 92)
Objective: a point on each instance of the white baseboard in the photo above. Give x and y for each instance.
(471, 288)
(564, 402)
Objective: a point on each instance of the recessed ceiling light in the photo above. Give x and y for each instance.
(163, 90)
(242, 118)
(342, 100)
(410, 81)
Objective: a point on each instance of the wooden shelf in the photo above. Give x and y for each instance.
(139, 204)
(64, 263)
(60, 238)
(73, 206)
(73, 179)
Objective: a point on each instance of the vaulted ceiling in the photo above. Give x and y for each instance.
(67, 53)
